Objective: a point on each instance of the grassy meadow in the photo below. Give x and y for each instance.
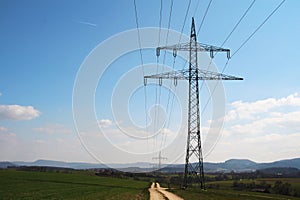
(225, 191)
(75, 185)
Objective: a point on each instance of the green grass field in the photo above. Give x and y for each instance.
(220, 194)
(226, 192)
(78, 185)
(295, 182)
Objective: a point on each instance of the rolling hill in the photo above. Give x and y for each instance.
(238, 165)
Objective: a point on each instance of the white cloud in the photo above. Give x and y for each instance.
(251, 110)
(17, 112)
(8, 136)
(104, 123)
(166, 131)
(3, 129)
(263, 130)
(264, 116)
(264, 148)
(7, 140)
(53, 129)
(69, 149)
(0, 94)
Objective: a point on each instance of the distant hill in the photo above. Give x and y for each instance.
(281, 171)
(52, 163)
(6, 164)
(79, 165)
(231, 165)
(237, 165)
(241, 165)
(282, 163)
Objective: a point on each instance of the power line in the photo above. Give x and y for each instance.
(168, 110)
(236, 25)
(169, 94)
(184, 21)
(141, 57)
(160, 20)
(204, 16)
(168, 31)
(210, 96)
(138, 30)
(197, 5)
(164, 59)
(157, 97)
(206, 11)
(243, 44)
(229, 35)
(270, 15)
(169, 24)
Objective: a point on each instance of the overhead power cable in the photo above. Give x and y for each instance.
(270, 15)
(141, 57)
(238, 23)
(184, 21)
(243, 44)
(181, 32)
(229, 35)
(168, 31)
(196, 8)
(202, 21)
(157, 96)
(164, 138)
(204, 16)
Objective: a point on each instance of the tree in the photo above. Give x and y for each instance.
(282, 188)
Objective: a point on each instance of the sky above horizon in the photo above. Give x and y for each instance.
(45, 44)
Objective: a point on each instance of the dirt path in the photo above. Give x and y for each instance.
(158, 193)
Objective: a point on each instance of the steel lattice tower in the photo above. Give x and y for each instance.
(159, 158)
(193, 75)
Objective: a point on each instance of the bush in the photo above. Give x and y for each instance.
(282, 188)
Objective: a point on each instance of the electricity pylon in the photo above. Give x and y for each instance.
(193, 75)
(159, 158)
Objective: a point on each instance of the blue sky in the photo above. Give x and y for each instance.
(44, 43)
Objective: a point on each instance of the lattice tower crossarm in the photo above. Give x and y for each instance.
(184, 75)
(199, 47)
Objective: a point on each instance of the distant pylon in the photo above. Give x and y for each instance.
(193, 75)
(159, 158)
